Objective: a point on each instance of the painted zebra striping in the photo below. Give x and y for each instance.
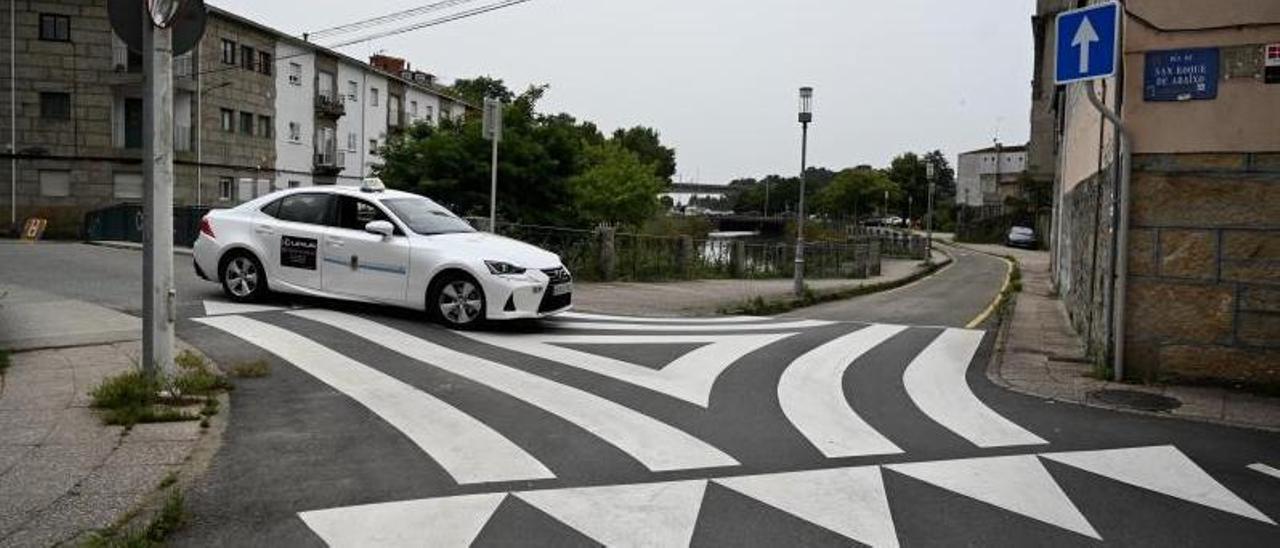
(649, 319)
(466, 448)
(690, 328)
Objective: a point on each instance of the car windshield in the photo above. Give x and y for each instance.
(1021, 230)
(426, 217)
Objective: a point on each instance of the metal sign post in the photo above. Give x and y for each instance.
(493, 132)
(157, 252)
(928, 249)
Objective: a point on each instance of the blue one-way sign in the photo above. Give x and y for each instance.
(1087, 43)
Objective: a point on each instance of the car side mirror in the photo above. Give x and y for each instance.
(383, 228)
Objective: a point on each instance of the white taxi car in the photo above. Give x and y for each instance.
(370, 244)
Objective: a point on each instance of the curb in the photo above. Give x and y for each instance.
(134, 246)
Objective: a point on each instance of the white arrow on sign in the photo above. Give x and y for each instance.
(1085, 37)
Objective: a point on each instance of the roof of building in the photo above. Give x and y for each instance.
(214, 10)
(1003, 149)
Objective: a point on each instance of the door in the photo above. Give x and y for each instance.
(362, 264)
(291, 231)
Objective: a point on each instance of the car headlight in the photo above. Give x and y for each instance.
(499, 268)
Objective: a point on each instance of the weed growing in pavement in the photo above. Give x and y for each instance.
(172, 515)
(168, 480)
(132, 397)
(251, 370)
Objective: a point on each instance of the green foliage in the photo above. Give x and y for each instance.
(854, 192)
(170, 518)
(618, 187)
(129, 389)
(133, 397)
(200, 382)
(251, 370)
(647, 145)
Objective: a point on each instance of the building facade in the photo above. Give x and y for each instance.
(255, 110)
(986, 177)
(1203, 286)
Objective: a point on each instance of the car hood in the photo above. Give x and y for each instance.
(489, 247)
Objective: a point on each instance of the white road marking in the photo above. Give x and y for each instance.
(689, 378)
(1019, 484)
(657, 445)
(935, 381)
(1164, 470)
(654, 514)
(1259, 467)
(466, 448)
(811, 392)
(220, 308)
(444, 522)
(690, 328)
(848, 501)
(644, 319)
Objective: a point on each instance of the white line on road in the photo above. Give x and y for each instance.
(689, 378)
(657, 445)
(467, 449)
(643, 319)
(811, 392)
(1259, 467)
(690, 328)
(935, 381)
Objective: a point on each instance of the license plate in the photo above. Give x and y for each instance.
(562, 289)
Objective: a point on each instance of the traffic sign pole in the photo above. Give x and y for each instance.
(157, 253)
(492, 130)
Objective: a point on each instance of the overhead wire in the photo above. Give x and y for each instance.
(385, 19)
(431, 22)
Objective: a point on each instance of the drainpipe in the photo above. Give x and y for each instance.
(195, 59)
(1120, 235)
(13, 113)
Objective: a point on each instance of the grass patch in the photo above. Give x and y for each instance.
(251, 370)
(759, 306)
(133, 397)
(170, 518)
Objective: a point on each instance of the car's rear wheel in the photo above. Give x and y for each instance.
(243, 278)
(457, 301)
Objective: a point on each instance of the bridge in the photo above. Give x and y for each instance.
(698, 188)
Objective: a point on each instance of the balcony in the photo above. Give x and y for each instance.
(330, 105)
(330, 162)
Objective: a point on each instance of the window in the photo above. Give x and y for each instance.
(246, 57)
(228, 52)
(373, 97)
(56, 28)
(426, 217)
(304, 208)
(353, 141)
(354, 213)
(413, 109)
(127, 186)
(295, 184)
(353, 90)
(295, 74)
(295, 132)
(228, 120)
(226, 187)
(55, 183)
(132, 123)
(430, 113)
(246, 123)
(264, 127)
(264, 63)
(373, 146)
(55, 106)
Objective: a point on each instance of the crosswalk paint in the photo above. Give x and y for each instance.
(689, 378)
(690, 328)
(655, 444)
(653, 514)
(848, 501)
(466, 448)
(935, 382)
(1162, 469)
(1019, 484)
(219, 308)
(644, 319)
(1264, 469)
(444, 522)
(811, 392)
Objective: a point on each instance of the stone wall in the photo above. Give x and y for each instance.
(1085, 258)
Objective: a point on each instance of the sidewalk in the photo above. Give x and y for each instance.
(706, 297)
(62, 472)
(1040, 354)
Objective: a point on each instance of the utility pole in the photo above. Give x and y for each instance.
(493, 132)
(157, 252)
(806, 116)
(13, 115)
(928, 250)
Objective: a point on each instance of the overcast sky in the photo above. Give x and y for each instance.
(718, 78)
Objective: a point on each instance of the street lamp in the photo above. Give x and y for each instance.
(806, 116)
(928, 249)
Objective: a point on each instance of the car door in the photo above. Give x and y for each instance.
(360, 263)
(291, 231)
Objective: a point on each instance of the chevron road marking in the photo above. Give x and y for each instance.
(690, 328)
(452, 521)
(848, 501)
(643, 319)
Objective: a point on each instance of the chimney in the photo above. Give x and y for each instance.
(387, 63)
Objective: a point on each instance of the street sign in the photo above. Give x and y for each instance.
(492, 119)
(1087, 43)
(1181, 75)
(128, 16)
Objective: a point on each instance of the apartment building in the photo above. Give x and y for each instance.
(985, 177)
(255, 110)
(1199, 94)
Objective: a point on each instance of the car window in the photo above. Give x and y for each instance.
(310, 208)
(426, 217)
(273, 208)
(353, 213)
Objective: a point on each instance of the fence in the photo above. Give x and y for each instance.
(895, 243)
(124, 222)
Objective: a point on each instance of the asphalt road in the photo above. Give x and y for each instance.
(375, 428)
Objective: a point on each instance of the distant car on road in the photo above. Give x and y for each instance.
(1021, 236)
(375, 245)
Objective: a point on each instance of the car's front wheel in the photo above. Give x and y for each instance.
(243, 279)
(457, 301)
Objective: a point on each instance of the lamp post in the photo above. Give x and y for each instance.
(928, 249)
(806, 116)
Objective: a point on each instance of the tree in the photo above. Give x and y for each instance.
(646, 144)
(618, 187)
(854, 191)
(475, 90)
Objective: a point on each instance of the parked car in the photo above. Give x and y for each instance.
(1021, 236)
(375, 245)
